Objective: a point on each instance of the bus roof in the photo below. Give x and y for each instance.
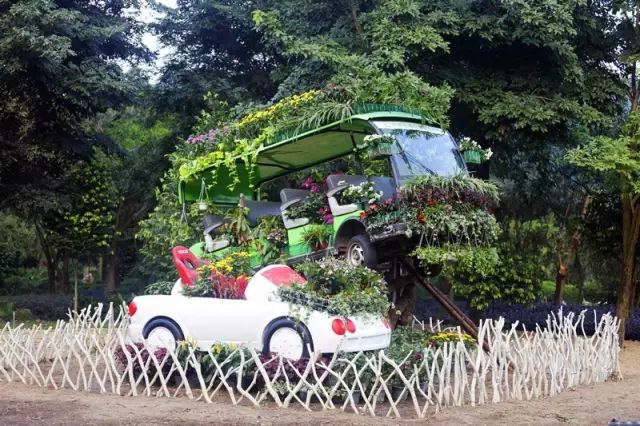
(290, 153)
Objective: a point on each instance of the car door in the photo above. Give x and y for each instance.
(212, 320)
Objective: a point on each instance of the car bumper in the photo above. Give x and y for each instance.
(134, 332)
(365, 343)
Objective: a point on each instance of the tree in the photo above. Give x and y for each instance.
(58, 67)
(618, 157)
(216, 50)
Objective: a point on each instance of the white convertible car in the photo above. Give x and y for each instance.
(260, 320)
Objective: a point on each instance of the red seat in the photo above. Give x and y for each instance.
(186, 264)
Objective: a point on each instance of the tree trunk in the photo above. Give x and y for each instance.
(51, 275)
(563, 267)
(630, 231)
(112, 271)
(49, 255)
(63, 279)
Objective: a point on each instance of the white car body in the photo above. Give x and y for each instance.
(209, 320)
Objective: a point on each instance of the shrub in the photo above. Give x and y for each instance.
(159, 288)
(24, 280)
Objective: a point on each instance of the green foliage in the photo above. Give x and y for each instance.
(339, 288)
(272, 239)
(317, 236)
(373, 72)
(18, 244)
(159, 288)
(24, 280)
(513, 271)
(614, 156)
(309, 208)
(164, 229)
(59, 68)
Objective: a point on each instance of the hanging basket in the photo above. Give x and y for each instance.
(379, 150)
(472, 157)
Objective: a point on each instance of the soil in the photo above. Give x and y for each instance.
(584, 405)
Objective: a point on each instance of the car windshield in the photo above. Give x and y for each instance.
(421, 150)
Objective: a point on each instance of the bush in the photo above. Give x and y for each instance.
(529, 316)
(594, 292)
(24, 280)
(571, 292)
(53, 306)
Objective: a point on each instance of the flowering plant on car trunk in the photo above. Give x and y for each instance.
(339, 288)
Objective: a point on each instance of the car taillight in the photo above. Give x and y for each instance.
(351, 326)
(385, 321)
(132, 308)
(338, 326)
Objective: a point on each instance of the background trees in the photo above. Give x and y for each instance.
(85, 144)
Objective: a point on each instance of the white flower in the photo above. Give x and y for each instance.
(488, 153)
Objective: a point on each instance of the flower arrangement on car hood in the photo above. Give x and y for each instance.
(339, 288)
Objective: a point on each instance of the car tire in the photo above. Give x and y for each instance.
(283, 331)
(162, 332)
(361, 252)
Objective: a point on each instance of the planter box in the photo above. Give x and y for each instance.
(472, 157)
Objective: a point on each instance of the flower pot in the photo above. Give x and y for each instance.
(396, 393)
(319, 246)
(303, 394)
(203, 206)
(472, 157)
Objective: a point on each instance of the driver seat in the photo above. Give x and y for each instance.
(187, 264)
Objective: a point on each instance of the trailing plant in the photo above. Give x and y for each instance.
(458, 189)
(484, 274)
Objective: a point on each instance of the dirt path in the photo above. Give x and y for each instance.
(595, 404)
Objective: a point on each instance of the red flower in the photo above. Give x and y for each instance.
(420, 217)
(363, 215)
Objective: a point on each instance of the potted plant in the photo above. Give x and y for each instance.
(472, 152)
(317, 237)
(363, 194)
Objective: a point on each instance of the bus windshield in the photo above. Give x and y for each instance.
(421, 150)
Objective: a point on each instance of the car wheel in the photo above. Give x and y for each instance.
(361, 252)
(162, 333)
(288, 339)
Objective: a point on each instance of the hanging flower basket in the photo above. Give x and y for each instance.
(472, 157)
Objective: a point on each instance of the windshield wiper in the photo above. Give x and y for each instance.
(411, 159)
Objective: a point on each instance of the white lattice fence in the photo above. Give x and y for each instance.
(89, 352)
